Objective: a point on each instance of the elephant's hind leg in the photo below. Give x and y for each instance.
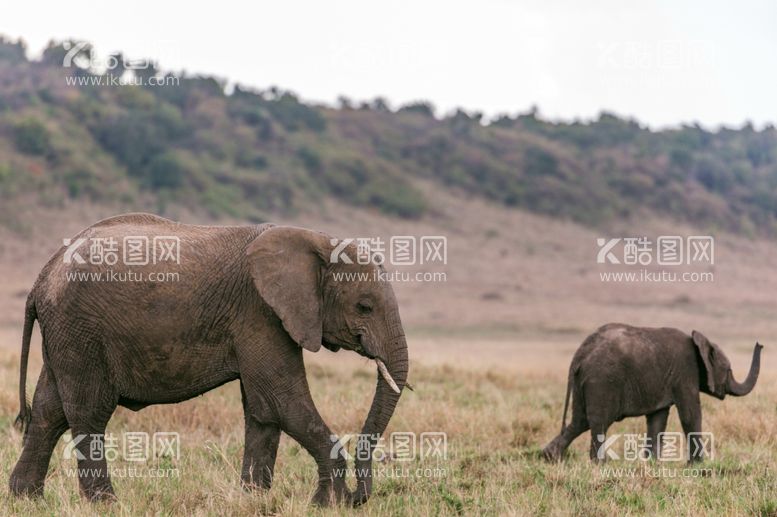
(601, 412)
(47, 424)
(598, 450)
(89, 400)
(556, 449)
(88, 426)
(88, 429)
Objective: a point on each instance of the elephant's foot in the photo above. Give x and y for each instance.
(259, 479)
(22, 488)
(254, 485)
(331, 493)
(101, 491)
(363, 491)
(553, 452)
(99, 496)
(359, 498)
(25, 482)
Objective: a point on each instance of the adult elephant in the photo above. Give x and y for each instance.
(622, 371)
(244, 304)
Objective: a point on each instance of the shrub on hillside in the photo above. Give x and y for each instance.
(165, 171)
(293, 115)
(32, 137)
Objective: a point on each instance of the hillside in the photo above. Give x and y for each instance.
(256, 154)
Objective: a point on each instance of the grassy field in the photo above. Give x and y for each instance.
(489, 349)
(497, 415)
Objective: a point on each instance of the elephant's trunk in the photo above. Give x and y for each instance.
(386, 398)
(739, 389)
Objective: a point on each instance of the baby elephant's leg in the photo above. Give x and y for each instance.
(656, 423)
(555, 450)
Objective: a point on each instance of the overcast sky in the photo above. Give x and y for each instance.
(714, 62)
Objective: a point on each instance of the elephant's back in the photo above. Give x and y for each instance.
(626, 358)
(138, 246)
(133, 218)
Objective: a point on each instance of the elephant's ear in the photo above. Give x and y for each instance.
(286, 266)
(705, 351)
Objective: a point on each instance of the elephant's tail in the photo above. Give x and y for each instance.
(570, 380)
(25, 411)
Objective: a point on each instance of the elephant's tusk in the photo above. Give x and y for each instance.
(387, 376)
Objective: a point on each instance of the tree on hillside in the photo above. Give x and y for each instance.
(422, 107)
(13, 52)
(69, 54)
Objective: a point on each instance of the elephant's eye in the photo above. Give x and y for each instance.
(364, 308)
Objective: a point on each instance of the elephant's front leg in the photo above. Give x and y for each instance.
(261, 448)
(689, 409)
(294, 410)
(656, 424)
(303, 423)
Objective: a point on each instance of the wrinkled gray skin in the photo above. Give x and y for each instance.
(248, 301)
(622, 371)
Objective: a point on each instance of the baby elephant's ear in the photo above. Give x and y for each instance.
(705, 351)
(286, 266)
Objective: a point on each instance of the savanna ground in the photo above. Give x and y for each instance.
(490, 348)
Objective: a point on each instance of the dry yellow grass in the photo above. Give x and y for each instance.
(496, 415)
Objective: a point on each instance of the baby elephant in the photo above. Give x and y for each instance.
(621, 371)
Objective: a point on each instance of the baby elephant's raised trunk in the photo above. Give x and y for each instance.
(739, 389)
